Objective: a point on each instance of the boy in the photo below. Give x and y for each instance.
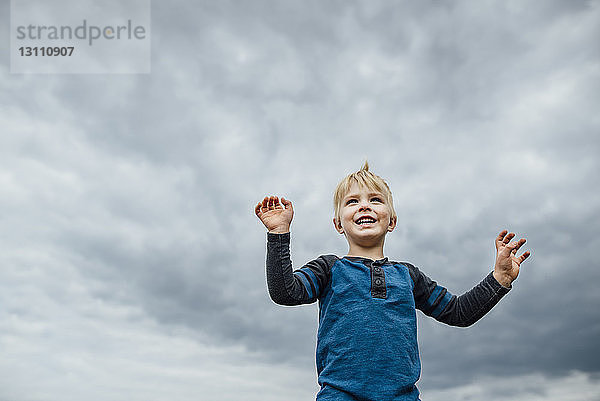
(367, 336)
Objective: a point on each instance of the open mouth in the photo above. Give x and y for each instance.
(365, 220)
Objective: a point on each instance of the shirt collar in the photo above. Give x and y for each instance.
(366, 260)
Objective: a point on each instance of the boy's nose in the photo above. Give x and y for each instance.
(364, 206)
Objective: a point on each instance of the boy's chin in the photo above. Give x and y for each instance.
(368, 239)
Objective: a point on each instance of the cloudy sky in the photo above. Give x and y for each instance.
(132, 265)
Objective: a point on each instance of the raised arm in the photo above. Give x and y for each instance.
(434, 300)
(287, 287)
(464, 310)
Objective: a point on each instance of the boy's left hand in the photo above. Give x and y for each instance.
(507, 265)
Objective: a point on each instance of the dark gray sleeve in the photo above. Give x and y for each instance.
(288, 287)
(435, 301)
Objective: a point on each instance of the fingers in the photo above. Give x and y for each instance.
(286, 203)
(262, 207)
(500, 238)
(517, 245)
(501, 235)
(271, 203)
(503, 240)
(524, 256)
(514, 247)
(507, 239)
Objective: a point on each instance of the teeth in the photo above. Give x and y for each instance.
(364, 220)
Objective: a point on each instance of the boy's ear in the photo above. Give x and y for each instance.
(338, 226)
(392, 225)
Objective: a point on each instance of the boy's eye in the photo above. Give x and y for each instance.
(377, 199)
(349, 201)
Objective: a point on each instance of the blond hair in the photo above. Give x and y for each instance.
(362, 177)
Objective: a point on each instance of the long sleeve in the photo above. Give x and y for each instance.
(288, 287)
(464, 310)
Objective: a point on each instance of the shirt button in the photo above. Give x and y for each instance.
(378, 282)
(377, 269)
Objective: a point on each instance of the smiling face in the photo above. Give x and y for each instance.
(364, 217)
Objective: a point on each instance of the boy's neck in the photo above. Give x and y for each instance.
(373, 253)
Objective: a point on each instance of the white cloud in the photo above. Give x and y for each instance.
(528, 387)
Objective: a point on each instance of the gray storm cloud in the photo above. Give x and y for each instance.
(133, 263)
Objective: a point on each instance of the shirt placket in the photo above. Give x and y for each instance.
(378, 287)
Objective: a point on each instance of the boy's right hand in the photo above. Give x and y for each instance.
(275, 216)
